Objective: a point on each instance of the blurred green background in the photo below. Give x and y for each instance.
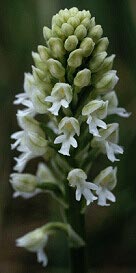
(111, 232)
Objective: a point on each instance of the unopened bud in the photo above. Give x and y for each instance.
(95, 33)
(87, 45)
(38, 74)
(37, 60)
(80, 32)
(107, 64)
(96, 61)
(47, 33)
(101, 45)
(86, 23)
(107, 82)
(56, 47)
(38, 100)
(23, 182)
(83, 78)
(71, 43)
(75, 58)
(44, 53)
(57, 32)
(74, 21)
(56, 69)
(28, 123)
(36, 143)
(67, 29)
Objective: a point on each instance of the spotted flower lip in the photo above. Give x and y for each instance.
(96, 110)
(107, 144)
(77, 178)
(106, 181)
(61, 95)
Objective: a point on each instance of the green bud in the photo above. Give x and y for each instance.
(86, 23)
(107, 82)
(101, 45)
(96, 61)
(57, 32)
(47, 33)
(75, 58)
(36, 143)
(73, 11)
(38, 74)
(71, 43)
(107, 64)
(44, 52)
(57, 20)
(95, 33)
(74, 21)
(38, 62)
(56, 69)
(56, 47)
(67, 29)
(82, 78)
(87, 45)
(92, 22)
(23, 182)
(80, 32)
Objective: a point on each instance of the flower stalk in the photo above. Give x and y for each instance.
(66, 101)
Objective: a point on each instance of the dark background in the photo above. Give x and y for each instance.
(111, 232)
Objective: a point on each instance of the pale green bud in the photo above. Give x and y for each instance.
(36, 143)
(80, 32)
(44, 52)
(73, 11)
(38, 100)
(67, 29)
(95, 33)
(56, 47)
(107, 82)
(37, 60)
(57, 20)
(92, 22)
(28, 83)
(96, 61)
(86, 23)
(82, 78)
(56, 69)
(47, 33)
(87, 45)
(101, 46)
(74, 21)
(23, 182)
(28, 123)
(57, 32)
(107, 64)
(71, 43)
(84, 14)
(75, 58)
(38, 74)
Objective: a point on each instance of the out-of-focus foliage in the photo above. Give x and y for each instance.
(111, 232)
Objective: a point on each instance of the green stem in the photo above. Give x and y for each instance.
(77, 221)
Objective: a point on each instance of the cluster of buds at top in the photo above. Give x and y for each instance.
(66, 100)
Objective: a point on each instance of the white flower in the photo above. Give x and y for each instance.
(28, 85)
(61, 95)
(96, 110)
(69, 127)
(107, 144)
(113, 105)
(35, 241)
(30, 145)
(106, 181)
(77, 178)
